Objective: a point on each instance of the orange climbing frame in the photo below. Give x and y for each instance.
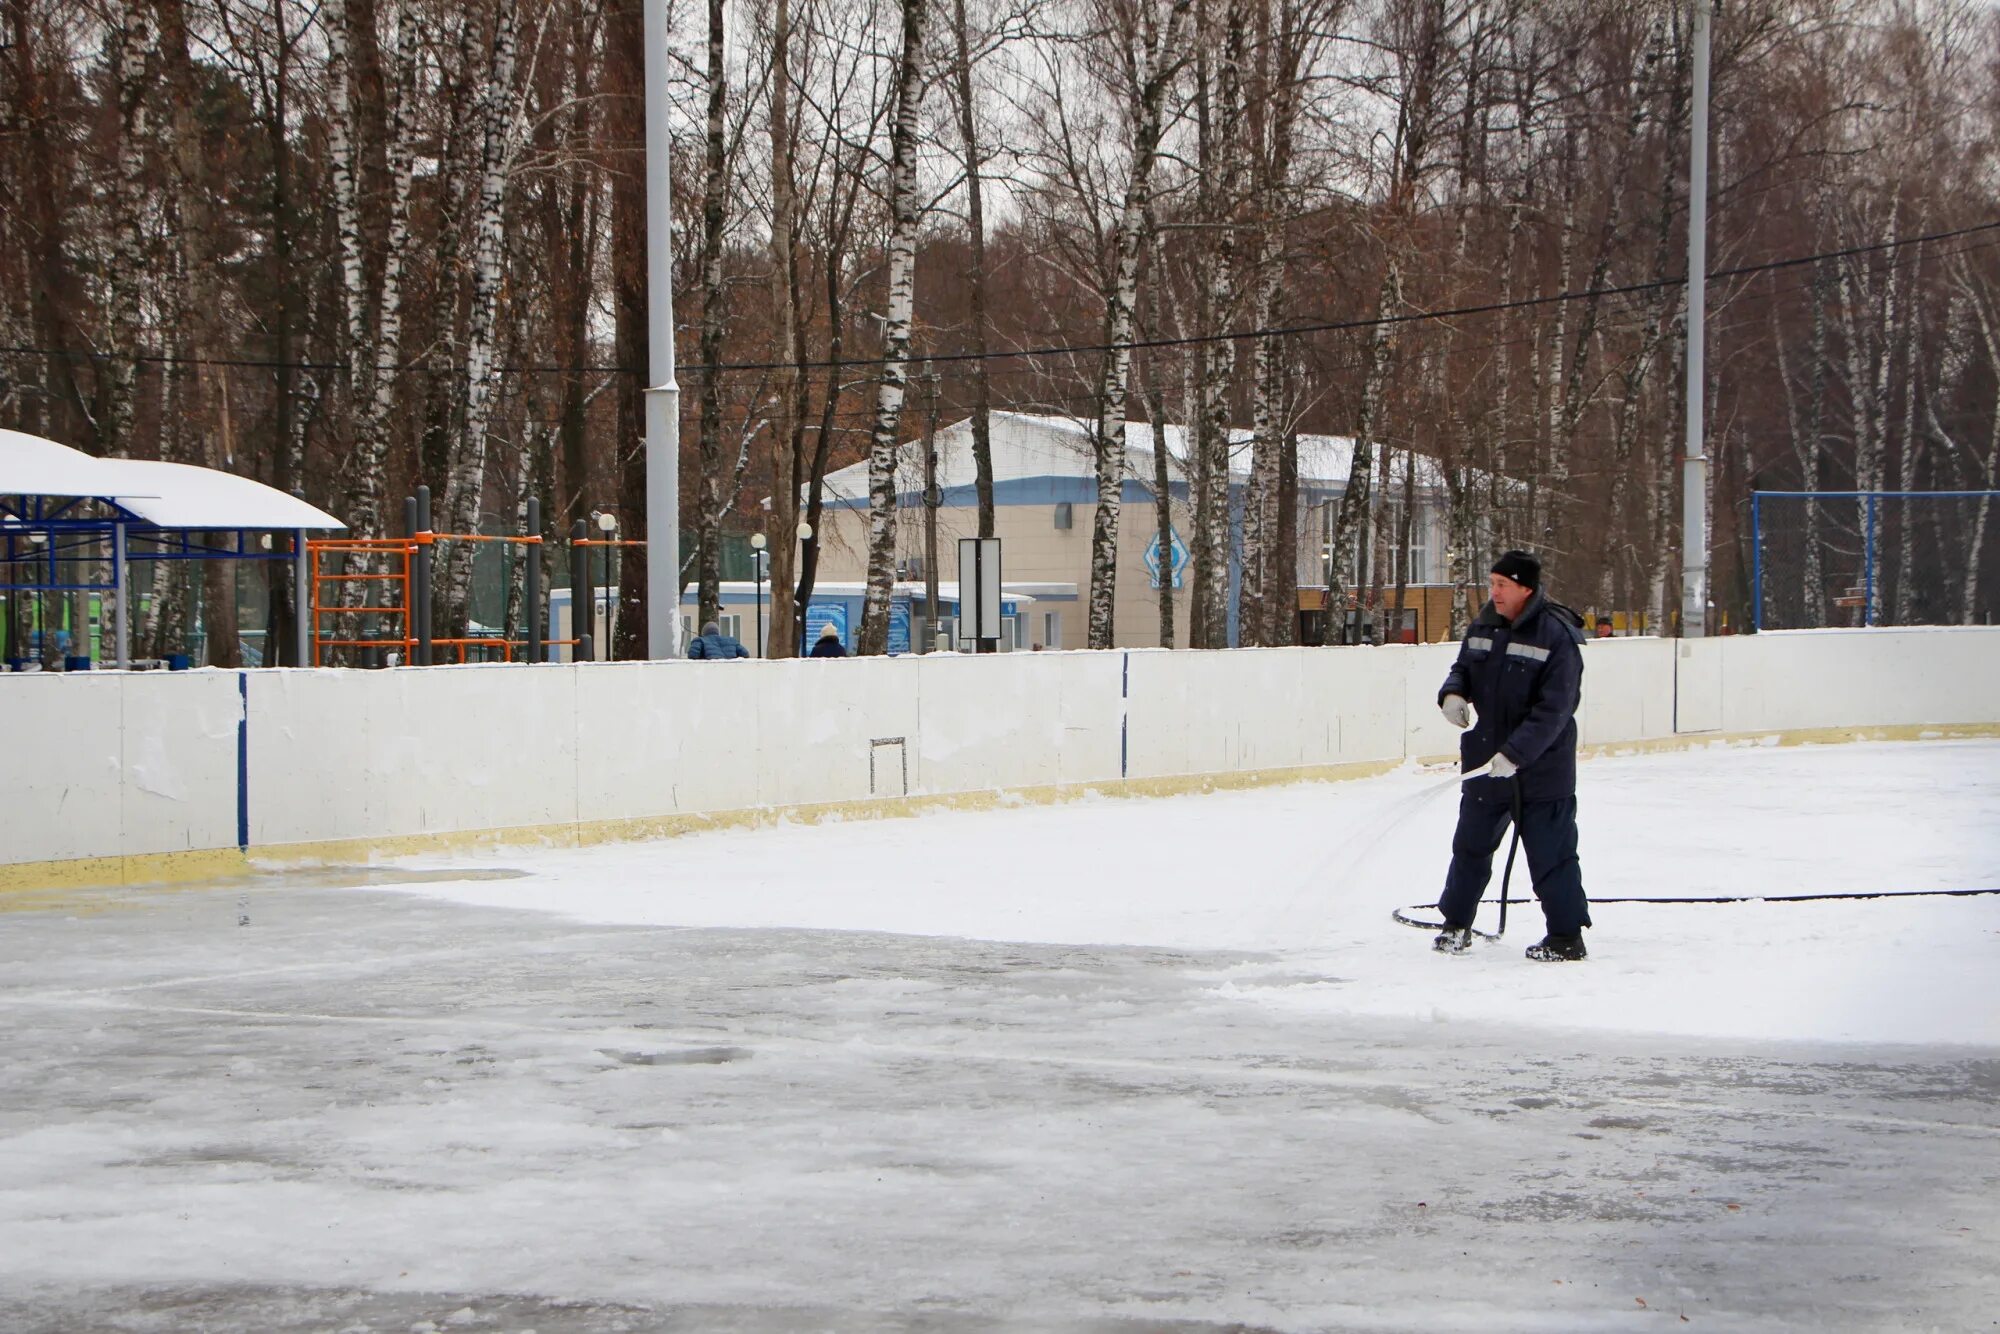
(401, 553)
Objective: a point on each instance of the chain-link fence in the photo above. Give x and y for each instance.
(1850, 558)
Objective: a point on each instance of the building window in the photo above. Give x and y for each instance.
(1051, 629)
(1415, 566)
(729, 623)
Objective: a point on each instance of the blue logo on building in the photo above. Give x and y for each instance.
(1180, 558)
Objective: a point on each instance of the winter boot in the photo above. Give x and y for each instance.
(1453, 940)
(1558, 949)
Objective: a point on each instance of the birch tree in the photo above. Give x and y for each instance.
(884, 441)
(1290, 38)
(466, 486)
(1149, 42)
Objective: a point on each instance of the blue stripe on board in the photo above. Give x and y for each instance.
(243, 762)
(1124, 723)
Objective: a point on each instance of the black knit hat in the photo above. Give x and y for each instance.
(1522, 568)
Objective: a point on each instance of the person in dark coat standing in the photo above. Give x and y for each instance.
(828, 644)
(1514, 690)
(712, 643)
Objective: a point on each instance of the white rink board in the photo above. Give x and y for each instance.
(1862, 678)
(348, 755)
(659, 739)
(129, 764)
(62, 779)
(177, 789)
(1628, 690)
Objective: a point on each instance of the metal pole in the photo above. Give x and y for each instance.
(663, 397)
(120, 609)
(302, 624)
(582, 601)
(1756, 561)
(412, 525)
(757, 562)
(1868, 564)
(1694, 475)
(423, 579)
(531, 581)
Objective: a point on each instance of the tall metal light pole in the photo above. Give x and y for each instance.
(1694, 470)
(663, 394)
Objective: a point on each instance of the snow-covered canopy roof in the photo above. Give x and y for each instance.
(165, 495)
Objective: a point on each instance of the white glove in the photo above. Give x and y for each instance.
(1503, 767)
(1456, 711)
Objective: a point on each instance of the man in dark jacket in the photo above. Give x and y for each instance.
(1520, 672)
(712, 643)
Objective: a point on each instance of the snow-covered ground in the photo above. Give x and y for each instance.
(1308, 876)
(1134, 1065)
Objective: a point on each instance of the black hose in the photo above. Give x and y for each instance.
(1401, 914)
(1513, 791)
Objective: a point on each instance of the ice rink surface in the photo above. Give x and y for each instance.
(1113, 1065)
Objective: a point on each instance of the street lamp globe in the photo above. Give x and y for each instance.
(759, 541)
(805, 531)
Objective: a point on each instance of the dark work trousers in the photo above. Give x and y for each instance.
(1548, 835)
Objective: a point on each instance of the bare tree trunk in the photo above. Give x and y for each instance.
(373, 317)
(1355, 516)
(465, 487)
(1813, 445)
(376, 388)
(982, 394)
(788, 432)
(54, 291)
(1260, 491)
(1983, 313)
(1156, 409)
(714, 216)
(1909, 459)
(343, 153)
(1619, 552)
(133, 38)
(1577, 395)
(833, 265)
(882, 451)
(280, 615)
(443, 403)
(1268, 120)
(1867, 455)
(1152, 59)
(188, 301)
(1222, 144)
(625, 127)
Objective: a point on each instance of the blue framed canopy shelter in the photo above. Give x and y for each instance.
(72, 523)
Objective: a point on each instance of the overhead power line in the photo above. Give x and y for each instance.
(1070, 349)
